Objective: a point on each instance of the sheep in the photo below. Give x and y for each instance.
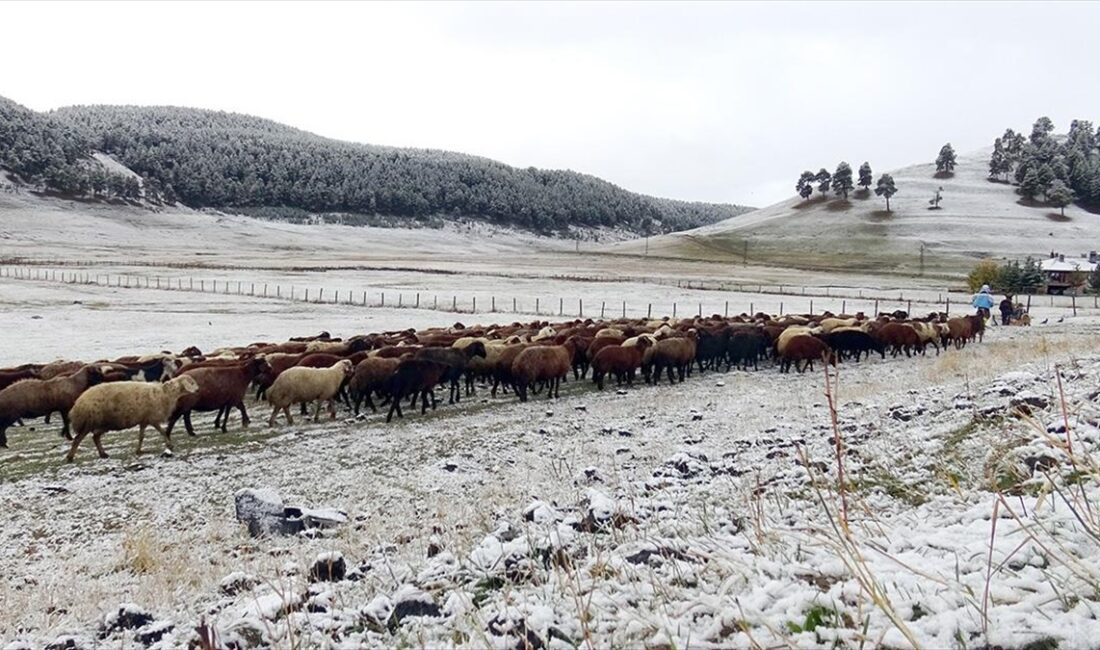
(370, 376)
(622, 361)
(416, 377)
(9, 377)
(928, 333)
(745, 346)
(671, 354)
(829, 324)
(853, 340)
(32, 398)
(711, 347)
(341, 348)
(611, 332)
(804, 347)
(121, 405)
(59, 368)
(299, 384)
(457, 361)
(899, 337)
(277, 362)
(502, 368)
(787, 334)
(581, 360)
(221, 388)
(548, 363)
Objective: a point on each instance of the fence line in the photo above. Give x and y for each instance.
(802, 303)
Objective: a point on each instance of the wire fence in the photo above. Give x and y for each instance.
(722, 299)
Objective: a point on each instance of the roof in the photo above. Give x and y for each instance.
(1055, 265)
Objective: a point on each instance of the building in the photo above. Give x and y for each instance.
(1063, 274)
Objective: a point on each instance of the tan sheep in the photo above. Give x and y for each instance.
(301, 385)
(788, 334)
(121, 405)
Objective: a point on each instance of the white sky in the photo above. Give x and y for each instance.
(712, 102)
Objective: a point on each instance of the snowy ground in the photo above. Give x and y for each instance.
(663, 516)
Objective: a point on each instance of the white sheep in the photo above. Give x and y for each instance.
(120, 405)
(299, 385)
(609, 331)
(789, 333)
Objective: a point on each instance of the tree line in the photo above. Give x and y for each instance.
(840, 182)
(224, 160)
(1060, 169)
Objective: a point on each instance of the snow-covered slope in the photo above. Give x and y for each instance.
(977, 218)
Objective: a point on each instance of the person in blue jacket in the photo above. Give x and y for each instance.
(983, 300)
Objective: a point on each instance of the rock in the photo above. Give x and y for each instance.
(128, 616)
(660, 552)
(55, 489)
(236, 583)
(63, 642)
(697, 417)
(588, 476)
(435, 547)
(153, 632)
(328, 567)
(264, 512)
(540, 512)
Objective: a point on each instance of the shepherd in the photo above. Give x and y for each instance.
(983, 300)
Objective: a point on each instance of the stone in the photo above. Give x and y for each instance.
(128, 616)
(328, 567)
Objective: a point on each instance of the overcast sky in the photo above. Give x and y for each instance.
(712, 102)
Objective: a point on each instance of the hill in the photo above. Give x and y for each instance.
(977, 218)
(230, 161)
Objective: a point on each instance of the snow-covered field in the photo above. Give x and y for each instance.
(700, 515)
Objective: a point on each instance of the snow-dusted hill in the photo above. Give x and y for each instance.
(977, 218)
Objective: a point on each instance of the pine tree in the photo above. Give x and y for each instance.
(865, 178)
(1094, 279)
(886, 188)
(1029, 186)
(998, 162)
(1031, 277)
(1046, 178)
(805, 185)
(842, 180)
(822, 179)
(1009, 278)
(1059, 195)
(1041, 130)
(945, 162)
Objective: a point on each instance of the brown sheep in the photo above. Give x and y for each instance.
(622, 361)
(899, 337)
(542, 363)
(9, 377)
(370, 376)
(220, 389)
(277, 363)
(667, 355)
(32, 398)
(804, 347)
(502, 368)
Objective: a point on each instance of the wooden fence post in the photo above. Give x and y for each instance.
(602, 305)
(383, 299)
(536, 305)
(580, 307)
(474, 310)
(674, 310)
(493, 304)
(649, 311)
(307, 294)
(780, 307)
(1073, 296)
(624, 309)
(844, 306)
(752, 310)
(947, 309)
(454, 303)
(561, 306)
(811, 305)
(727, 312)
(876, 308)
(513, 304)
(400, 299)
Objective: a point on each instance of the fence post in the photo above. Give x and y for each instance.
(418, 300)
(364, 298)
(454, 303)
(602, 305)
(876, 307)
(844, 306)
(649, 311)
(307, 293)
(536, 305)
(435, 301)
(474, 309)
(624, 309)
(561, 306)
(752, 309)
(252, 291)
(727, 313)
(1073, 296)
(909, 307)
(947, 310)
(700, 310)
(383, 299)
(513, 304)
(400, 299)
(580, 307)
(1029, 302)
(191, 280)
(811, 306)
(493, 304)
(674, 310)
(780, 307)
(202, 286)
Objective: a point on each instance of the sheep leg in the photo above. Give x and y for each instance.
(424, 401)
(317, 411)
(271, 420)
(395, 405)
(187, 424)
(305, 408)
(245, 420)
(167, 436)
(370, 403)
(64, 426)
(76, 443)
(289, 418)
(332, 408)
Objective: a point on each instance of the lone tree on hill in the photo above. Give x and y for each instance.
(1060, 195)
(805, 185)
(865, 179)
(1000, 163)
(842, 180)
(886, 188)
(822, 179)
(945, 162)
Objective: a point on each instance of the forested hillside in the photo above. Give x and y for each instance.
(214, 159)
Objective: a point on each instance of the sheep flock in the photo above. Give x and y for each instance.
(407, 366)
